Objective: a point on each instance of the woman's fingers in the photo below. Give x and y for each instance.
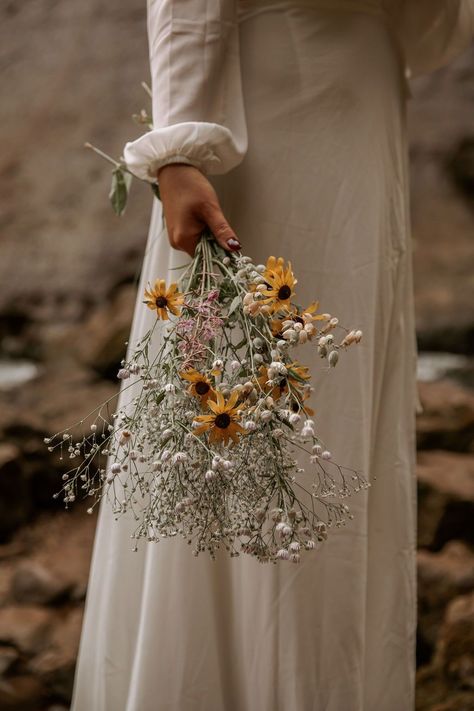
(190, 204)
(214, 218)
(184, 240)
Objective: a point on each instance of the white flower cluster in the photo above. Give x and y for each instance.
(211, 441)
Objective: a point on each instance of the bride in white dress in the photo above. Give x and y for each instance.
(295, 110)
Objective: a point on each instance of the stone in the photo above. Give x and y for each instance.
(26, 628)
(21, 693)
(8, 657)
(442, 215)
(7, 571)
(33, 583)
(62, 544)
(55, 665)
(61, 396)
(69, 250)
(15, 504)
(441, 577)
(447, 419)
(445, 498)
(455, 650)
(101, 345)
(30, 475)
(435, 693)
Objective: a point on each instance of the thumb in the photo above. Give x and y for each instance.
(220, 228)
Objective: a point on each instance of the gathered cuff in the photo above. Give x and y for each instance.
(209, 147)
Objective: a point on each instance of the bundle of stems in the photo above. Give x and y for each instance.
(213, 423)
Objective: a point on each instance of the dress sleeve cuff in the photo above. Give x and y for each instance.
(209, 147)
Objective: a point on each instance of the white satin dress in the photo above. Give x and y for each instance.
(296, 109)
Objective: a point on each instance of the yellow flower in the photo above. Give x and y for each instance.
(276, 326)
(162, 300)
(280, 284)
(307, 315)
(224, 421)
(304, 316)
(297, 376)
(200, 384)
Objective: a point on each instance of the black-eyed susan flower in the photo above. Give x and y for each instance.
(280, 283)
(223, 423)
(200, 385)
(164, 300)
(309, 314)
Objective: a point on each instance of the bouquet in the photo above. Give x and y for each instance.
(206, 446)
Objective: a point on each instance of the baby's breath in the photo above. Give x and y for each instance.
(210, 444)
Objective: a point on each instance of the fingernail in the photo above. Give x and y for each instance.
(233, 243)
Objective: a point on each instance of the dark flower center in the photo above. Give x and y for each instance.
(284, 292)
(222, 421)
(295, 407)
(298, 319)
(202, 387)
(161, 301)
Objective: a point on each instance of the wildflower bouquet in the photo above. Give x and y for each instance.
(206, 446)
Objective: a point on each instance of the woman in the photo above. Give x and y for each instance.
(280, 124)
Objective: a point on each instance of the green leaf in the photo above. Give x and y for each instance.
(236, 302)
(156, 190)
(119, 189)
(159, 398)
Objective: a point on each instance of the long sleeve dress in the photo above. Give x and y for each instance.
(295, 109)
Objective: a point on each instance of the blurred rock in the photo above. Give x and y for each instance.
(7, 570)
(442, 206)
(29, 473)
(101, 345)
(461, 164)
(60, 397)
(63, 544)
(21, 693)
(447, 420)
(455, 650)
(68, 250)
(15, 504)
(8, 657)
(435, 693)
(27, 628)
(33, 583)
(445, 498)
(55, 666)
(441, 577)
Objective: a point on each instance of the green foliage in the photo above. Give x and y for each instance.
(121, 181)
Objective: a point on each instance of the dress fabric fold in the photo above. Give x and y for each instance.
(297, 113)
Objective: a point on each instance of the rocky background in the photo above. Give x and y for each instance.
(71, 72)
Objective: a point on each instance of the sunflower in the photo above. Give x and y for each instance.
(162, 300)
(223, 423)
(280, 282)
(200, 385)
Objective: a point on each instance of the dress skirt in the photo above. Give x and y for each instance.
(323, 184)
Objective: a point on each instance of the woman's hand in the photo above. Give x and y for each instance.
(190, 204)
